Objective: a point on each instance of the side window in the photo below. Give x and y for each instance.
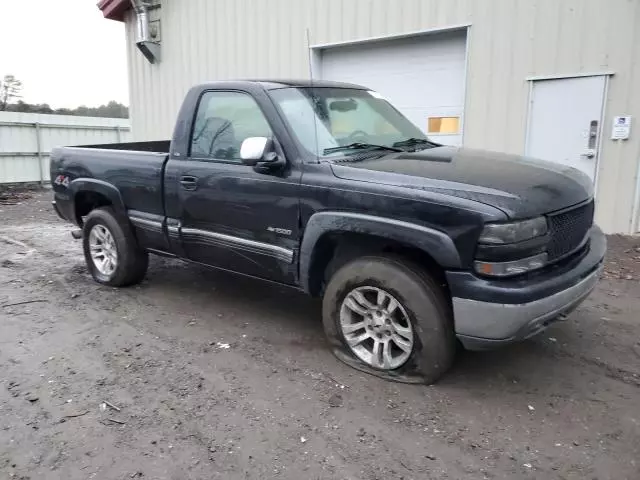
(223, 121)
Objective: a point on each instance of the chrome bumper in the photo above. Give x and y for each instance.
(481, 325)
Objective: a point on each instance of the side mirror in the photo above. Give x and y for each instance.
(256, 151)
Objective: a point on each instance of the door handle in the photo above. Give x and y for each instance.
(593, 135)
(592, 141)
(188, 182)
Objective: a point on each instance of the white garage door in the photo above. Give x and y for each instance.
(423, 76)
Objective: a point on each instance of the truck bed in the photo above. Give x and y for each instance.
(135, 169)
(157, 146)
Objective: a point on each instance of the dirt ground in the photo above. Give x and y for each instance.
(209, 376)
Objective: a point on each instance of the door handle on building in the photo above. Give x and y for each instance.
(592, 140)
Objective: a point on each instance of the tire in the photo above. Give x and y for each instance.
(422, 317)
(112, 235)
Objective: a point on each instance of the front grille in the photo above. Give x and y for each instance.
(568, 230)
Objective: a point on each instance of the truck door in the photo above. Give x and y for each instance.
(232, 216)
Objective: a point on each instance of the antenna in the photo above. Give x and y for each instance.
(313, 99)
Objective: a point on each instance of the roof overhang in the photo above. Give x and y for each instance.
(114, 9)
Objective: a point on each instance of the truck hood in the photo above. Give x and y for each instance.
(519, 186)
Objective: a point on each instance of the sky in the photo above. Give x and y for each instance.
(64, 51)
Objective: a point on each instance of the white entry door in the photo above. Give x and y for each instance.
(565, 117)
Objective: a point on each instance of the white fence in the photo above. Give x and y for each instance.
(26, 140)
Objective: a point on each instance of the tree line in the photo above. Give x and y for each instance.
(11, 95)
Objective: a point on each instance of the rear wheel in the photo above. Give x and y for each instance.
(387, 317)
(111, 250)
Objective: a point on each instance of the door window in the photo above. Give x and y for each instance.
(223, 121)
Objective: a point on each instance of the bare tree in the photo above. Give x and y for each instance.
(10, 88)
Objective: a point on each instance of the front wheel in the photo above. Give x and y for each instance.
(388, 317)
(111, 249)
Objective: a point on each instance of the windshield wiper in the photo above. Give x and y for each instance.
(412, 142)
(360, 146)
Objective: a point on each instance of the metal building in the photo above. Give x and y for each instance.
(556, 79)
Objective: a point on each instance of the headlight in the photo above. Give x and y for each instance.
(505, 233)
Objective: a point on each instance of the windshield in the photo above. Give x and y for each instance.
(345, 117)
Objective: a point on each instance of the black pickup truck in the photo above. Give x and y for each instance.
(329, 189)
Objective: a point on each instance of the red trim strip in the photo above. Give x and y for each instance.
(114, 9)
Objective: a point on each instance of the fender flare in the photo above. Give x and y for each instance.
(434, 242)
(98, 186)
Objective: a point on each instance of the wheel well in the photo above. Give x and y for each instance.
(336, 249)
(87, 201)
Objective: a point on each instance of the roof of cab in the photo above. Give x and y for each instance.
(288, 83)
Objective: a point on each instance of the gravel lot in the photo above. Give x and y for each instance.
(217, 377)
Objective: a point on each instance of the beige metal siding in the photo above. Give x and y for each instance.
(509, 41)
(26, 139)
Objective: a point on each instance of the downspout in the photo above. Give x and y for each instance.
(144, 40)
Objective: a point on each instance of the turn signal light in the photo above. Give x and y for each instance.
(509, 269)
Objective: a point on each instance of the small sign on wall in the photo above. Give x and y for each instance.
(621, 128)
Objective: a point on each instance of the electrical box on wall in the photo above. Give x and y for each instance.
(621, 129)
